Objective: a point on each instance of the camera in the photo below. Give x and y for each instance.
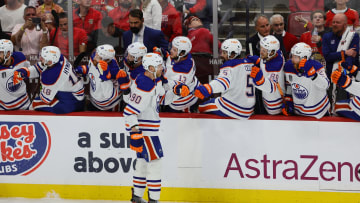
(37, 22)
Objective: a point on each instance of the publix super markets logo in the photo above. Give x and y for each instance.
(24, 146)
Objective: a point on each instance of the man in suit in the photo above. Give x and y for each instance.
(140, 33)
(262, 26)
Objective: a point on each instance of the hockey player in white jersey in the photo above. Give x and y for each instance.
(106, 79)
(61, 90)
(12, 96)
(237, 98)
(342, 77)
(268, 74)
(143, 122)
(306, 84)
(132, 62)
(180, 70)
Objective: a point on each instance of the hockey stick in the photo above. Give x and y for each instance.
(79, 58)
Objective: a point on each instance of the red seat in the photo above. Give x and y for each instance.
(294, 27)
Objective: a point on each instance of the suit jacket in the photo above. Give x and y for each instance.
(255, 42)
(152, 38)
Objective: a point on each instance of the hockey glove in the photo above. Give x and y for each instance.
(257, 75)
(82, 70)
(352, 70)
(136, 141)
(307, 69)
(20, 75)
(254, 59)
(203, 91)
(162, 52)
(341, 79)
(121, 74)
(288, 106)
(103, 70)
(181, 89)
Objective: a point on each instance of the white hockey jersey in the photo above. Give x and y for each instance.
(183, 72)
(274, 78)
(236, 87)
(309, 96)
(60, 81)
(354, 89)
(12, 96)
(105, 94)
(144, 105)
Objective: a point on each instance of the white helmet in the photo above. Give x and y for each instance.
(182, 44)
(137, 50)
(152, 59)
(232, 46)
(6, 46)
(50, 53)
(106, 52)
(270, 43)
(302, 50)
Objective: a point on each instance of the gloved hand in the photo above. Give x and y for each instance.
(20, 75)
(254, 59)
(307, 69)
(121, 74)
(341, 79)
(162, 52)
(203, 91)
(288, 106)
(137, 141)
(350, 69)
(103, 70)
(257, 75)
(181, 89)
(83, 70)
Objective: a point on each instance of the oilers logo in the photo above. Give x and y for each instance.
(92, 82)
(299, 91)
(24, 147)
(10, 85)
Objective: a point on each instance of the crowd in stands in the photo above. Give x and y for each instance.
(160, 26)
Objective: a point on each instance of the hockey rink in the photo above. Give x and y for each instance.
(57, 200)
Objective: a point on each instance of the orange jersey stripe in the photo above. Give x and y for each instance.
(150, 148)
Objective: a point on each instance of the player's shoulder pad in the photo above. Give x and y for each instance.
(316, 64)
(51, 75)
(234, 62)
(184, 66)
(276, 63)
(289, 67)
(144, 83)
(18, 57)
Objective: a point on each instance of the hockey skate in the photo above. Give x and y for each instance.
(136, 199)
(151, 200)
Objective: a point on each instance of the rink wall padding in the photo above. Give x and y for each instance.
(86, 155)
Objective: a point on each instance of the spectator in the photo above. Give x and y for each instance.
(11, 14)
(140, 33)
(286, 39)
(26, 37)
(12, 95)
(61, 38)
(237, 98)
(62, 91)
(107, 34)
(105, 84)
(86, 17)
(171, 21)
(120, 15)
(351, 14)
(200, 37)
(46, 8)
(262, 28)
(49, 21)
(306, 5)
(314, 38)
(193, 7)
(152, 14)
(306, 84)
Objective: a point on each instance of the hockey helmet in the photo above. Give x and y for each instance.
(50, 53)
(271, 44)
(231, 46)
(302, 50)
(137, 50)
(152, 59)
(7, 47)
(183, 44)
(106, 52)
